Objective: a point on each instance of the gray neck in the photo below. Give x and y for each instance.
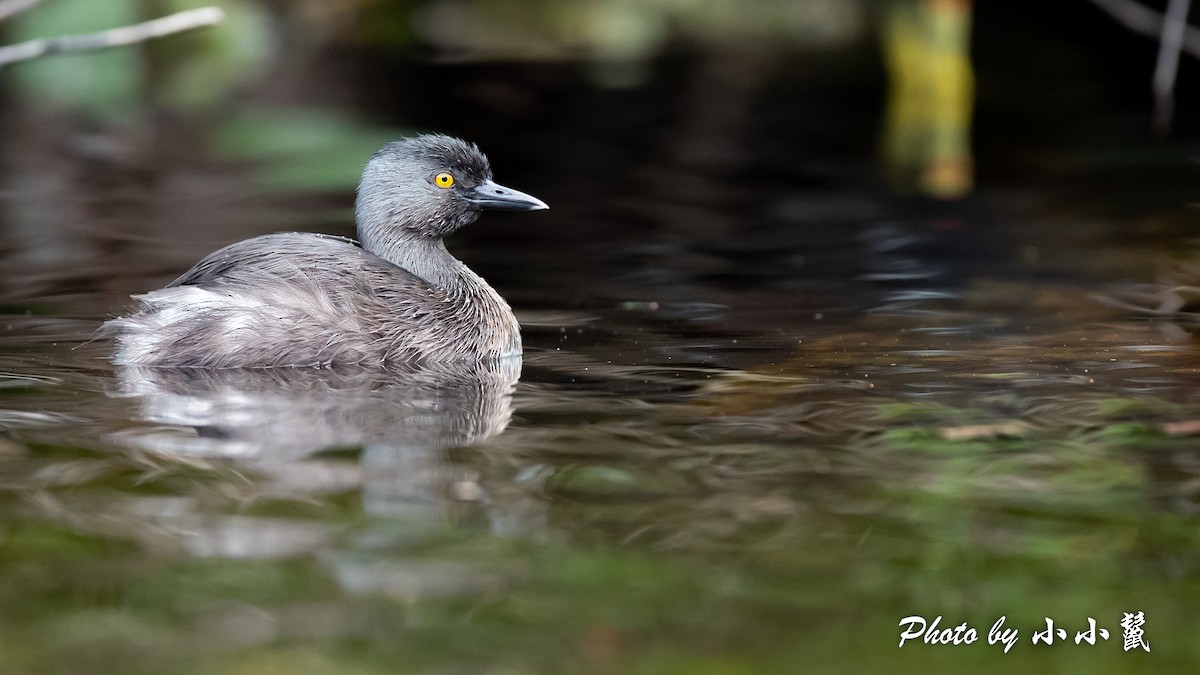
(429, 260)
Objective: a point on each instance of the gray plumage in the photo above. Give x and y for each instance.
(298, 299)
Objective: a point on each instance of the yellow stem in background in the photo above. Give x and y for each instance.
(926, 143)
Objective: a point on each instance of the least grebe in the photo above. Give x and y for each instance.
(303, 299)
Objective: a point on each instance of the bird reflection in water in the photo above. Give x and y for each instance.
(405, 419)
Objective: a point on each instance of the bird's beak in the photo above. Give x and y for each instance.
(491, 195)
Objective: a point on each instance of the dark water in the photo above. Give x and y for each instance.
(766, 411)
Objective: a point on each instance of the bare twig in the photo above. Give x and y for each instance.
(1168, 63)
(1141, 19)
(10, 8)
(126, 35)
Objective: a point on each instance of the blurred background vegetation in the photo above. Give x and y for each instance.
(304, 90)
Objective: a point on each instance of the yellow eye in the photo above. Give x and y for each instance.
(443, 180)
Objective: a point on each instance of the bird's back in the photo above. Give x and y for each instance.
(299, 299)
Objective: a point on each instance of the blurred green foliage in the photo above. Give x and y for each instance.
(108, 82)
(298, 149)
(204, 65)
